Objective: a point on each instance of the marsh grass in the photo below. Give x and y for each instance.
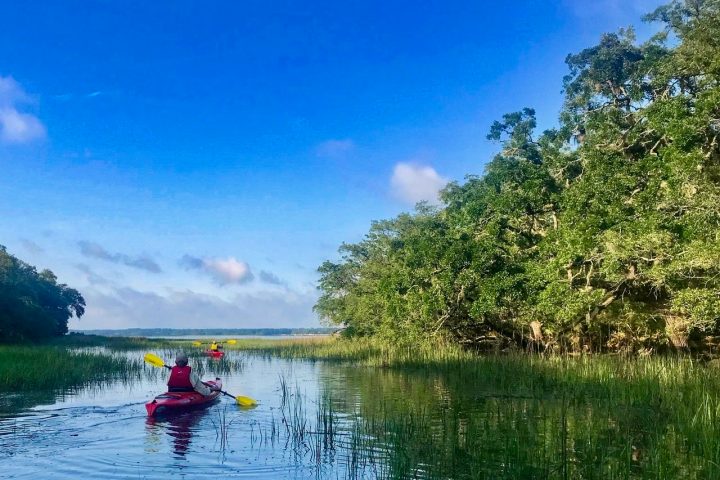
(119, 343)
(32, 375)
(41, 367)
(222, 423)
(446, 413)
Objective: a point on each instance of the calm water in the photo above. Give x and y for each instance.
(335, 421)
(104, 432)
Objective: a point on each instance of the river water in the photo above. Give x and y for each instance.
(104, 431)
(335, 421)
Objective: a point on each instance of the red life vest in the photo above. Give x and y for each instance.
(180, 377)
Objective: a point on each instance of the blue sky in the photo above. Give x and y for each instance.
(188, 164)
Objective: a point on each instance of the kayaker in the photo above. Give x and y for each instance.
(183, 379)
(214, 346)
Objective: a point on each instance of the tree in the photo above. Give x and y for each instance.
(601, 234)
(33, 305)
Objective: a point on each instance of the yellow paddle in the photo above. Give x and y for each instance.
(156, 361)
(232, 342)
(196, 343)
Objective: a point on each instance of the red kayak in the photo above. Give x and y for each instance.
(215, 353)
(174, 401)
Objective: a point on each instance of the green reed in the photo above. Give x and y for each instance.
(25, 368)
(119, 343)
(447, 413)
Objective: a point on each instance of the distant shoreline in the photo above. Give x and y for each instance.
(204, 332)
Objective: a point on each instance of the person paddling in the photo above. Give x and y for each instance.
(183, 379)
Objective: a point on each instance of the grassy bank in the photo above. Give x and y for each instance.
(73, 361)
(116, 343)
(446, 413)
(629, 380)
(25, 368)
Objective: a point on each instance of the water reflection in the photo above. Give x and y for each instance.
(14, 402)
(178, 426)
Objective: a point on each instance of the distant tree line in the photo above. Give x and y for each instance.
(207, 332)
(600, 234)
(33, 305)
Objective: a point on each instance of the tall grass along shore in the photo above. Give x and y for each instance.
(446, 413)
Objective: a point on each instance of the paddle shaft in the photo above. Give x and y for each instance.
(208, 385)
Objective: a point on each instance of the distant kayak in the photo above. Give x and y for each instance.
(174, 401)
(214, 353)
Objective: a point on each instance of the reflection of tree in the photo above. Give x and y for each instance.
(11, 403)
(179, 427)
(467, 424)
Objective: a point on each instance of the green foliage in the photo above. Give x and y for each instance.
(33, 305)
(601, 234)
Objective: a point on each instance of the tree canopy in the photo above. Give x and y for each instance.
(599, 234)
(33, 305)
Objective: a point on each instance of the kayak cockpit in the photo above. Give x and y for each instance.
(173, 401)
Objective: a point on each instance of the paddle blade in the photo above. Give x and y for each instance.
(196, 343)
(232, 342)
(154, 360)
(245, 401)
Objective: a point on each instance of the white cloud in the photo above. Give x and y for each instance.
(223, 270)
(127, 307)
(334, 148)
(416, 183)
(16, 126)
